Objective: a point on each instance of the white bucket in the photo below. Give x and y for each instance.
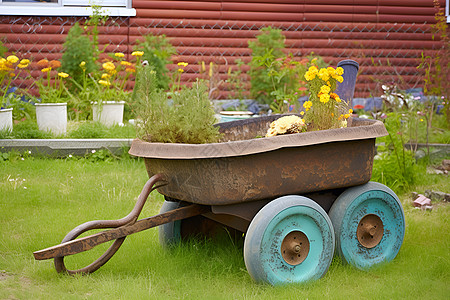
(110, 113)
(52, 117)
(6, 119)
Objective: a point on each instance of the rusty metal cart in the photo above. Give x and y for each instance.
(298, 198)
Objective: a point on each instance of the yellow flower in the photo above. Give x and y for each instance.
(307, 105)
(350, 111)
(340, 79)
(105, 75)
(119, 54)
(24, 63)
(83, 64)
(211, 68)
(302, 113)
(347, 116)
(130, 70)
(12, 59)
(104, 82)
(309, 76)
(22, 66)
(323, 74)
(137, 53)
(325, 89)
(125, 63)
(45, 70)
(324, 98)
(109, 66)
(184, 64)
(313, 69)
(63, 75)
(331, 71)
(180, 70)
(339, 71)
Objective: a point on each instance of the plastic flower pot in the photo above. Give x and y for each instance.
(52, 117)
(346, 89)
(109, 113)
(6, 119)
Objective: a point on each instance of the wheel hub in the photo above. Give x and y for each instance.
(370, 231)
(295, 248)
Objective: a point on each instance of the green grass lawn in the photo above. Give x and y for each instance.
(41, 200)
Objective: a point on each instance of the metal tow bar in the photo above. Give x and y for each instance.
(123, 227)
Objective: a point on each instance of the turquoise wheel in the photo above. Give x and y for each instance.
(290, 240)
(169, 233)
(369, 225)
(198, 227)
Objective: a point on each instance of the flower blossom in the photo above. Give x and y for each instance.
(137, 53)
(12, 59)
(104, 82)
(63, 75)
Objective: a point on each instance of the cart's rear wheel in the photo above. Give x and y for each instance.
(291, 239)
(369, 225)
(195, 227)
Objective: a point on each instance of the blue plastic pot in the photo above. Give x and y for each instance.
(346, 89)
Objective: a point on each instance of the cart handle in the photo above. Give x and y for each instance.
(123, 227)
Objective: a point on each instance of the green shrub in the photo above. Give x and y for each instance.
(188, 117)
(78, 48)
(157, 52)
(265, 51)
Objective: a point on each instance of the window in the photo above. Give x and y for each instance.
(65, 7)
(447, 10)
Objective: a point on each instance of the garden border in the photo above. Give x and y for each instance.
(64, 147)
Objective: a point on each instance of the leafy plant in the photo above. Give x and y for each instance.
(187, 117)
(78, 48)
(267, 48)
(157, 52)
(395, 166)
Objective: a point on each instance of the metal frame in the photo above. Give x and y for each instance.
(66, 8)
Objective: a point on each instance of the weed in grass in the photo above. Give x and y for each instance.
(29, 130)
(89, 130)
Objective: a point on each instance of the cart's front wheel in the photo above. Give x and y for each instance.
(291, 239)
(369, 225)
